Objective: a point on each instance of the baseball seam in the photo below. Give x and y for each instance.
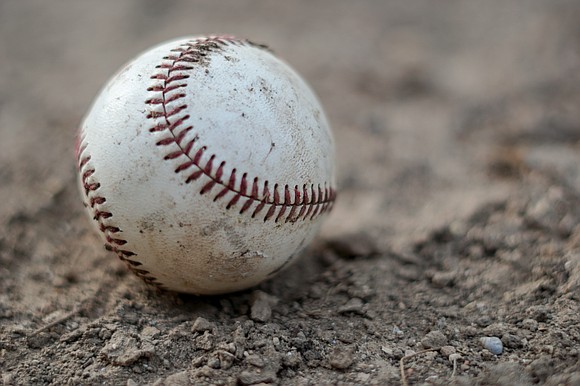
(294, 203)
(97, 202)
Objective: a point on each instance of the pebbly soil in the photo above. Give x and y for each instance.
(458, 133)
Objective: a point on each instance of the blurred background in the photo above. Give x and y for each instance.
(406, 86)
(402, 82)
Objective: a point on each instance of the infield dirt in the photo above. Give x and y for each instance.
(458, 134)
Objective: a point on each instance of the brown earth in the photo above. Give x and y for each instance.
(458, 133)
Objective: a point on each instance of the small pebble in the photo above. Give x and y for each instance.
(292, 359)
(149, 332)
(226, 360)
(492, 344)
(398, 353)
(454, 357)
(255, 360)
(434, 339)
(213, 362)
(444, 279)
(363, 378)
(447, 350)
(354, 305)
(202, 324)
(548, 348)
(252, 378)
(261, 306)
(199, 361)
(512, 341)
(488, 356)
(354, 245)
(495, 329)
(470, 331)
(387, 350)
(341, 358)
(205, 341)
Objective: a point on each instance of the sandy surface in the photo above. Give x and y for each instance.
(458, 134)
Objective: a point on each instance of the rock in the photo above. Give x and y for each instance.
(239, 341)
(454, 357)
(470, 331)
(74, 335)
(261, 306)
(124, 350)
(434, 339)
(354, 245)
(178, 379)
(205, 341)
(354, 305)
(255, 360)
(149, 332)
(492, 344)
(199, 361)
(512, 341)
(202, 325)
(251, 378)
(341, 358)
(213, 362)
(495, 329)
(292, 359)
(273, 360)
(397, 331)
(444, 279)
(388, 351)
(447, 350)
(39, 340)
(226, 359)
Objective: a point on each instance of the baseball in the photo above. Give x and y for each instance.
(206, 164)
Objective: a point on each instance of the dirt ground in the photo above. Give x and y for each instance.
(457, 127)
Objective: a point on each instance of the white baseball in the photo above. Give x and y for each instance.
(207, 164)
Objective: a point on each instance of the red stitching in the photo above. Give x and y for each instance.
(302, 206)
(113, 243)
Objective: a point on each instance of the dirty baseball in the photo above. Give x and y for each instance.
(206, 164)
